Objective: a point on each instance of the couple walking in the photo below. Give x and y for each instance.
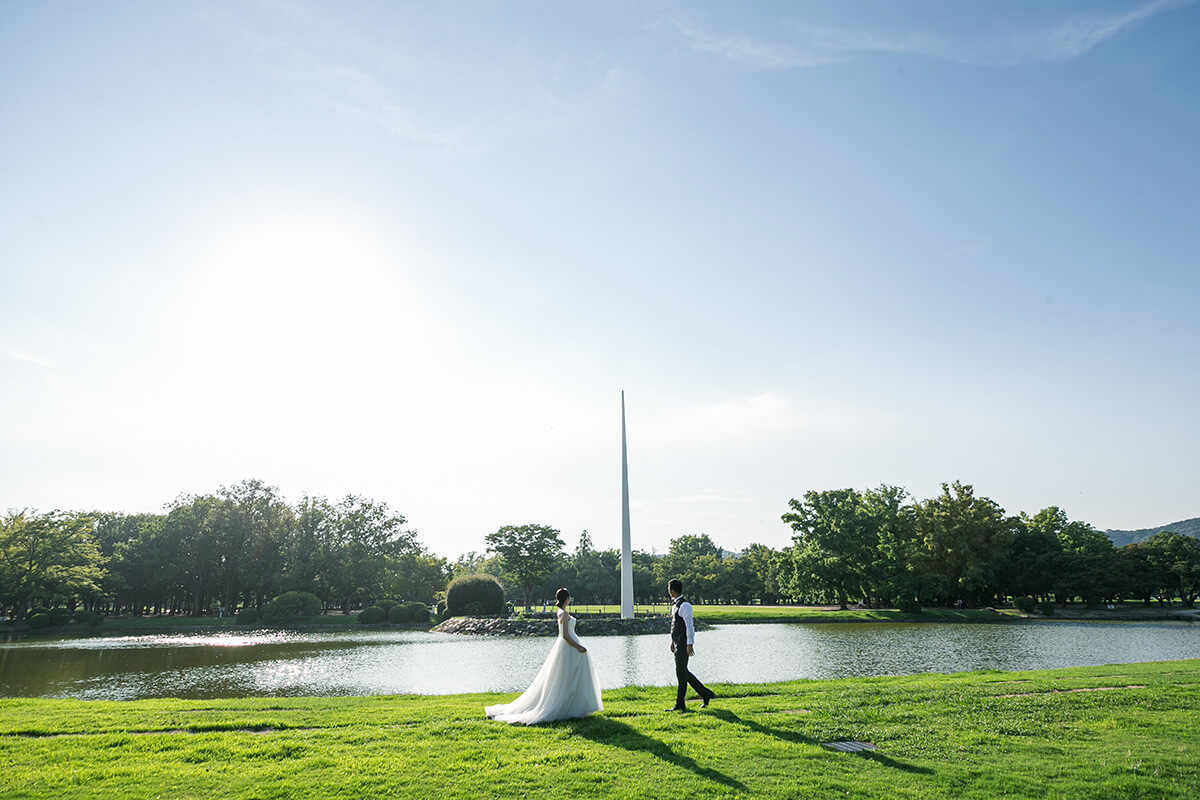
(566, 686)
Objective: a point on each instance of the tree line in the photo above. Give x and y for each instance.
(243, 545)
(877, 547)
(237, 547)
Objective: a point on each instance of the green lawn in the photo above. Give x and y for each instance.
(1125, 731)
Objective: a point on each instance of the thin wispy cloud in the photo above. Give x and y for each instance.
(812, 46)
(353, 91)
(740, 49)
(24, 357)
(358, 90)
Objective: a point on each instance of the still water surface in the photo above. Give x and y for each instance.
(276, 663)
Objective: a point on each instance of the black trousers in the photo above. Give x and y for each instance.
(685, 677)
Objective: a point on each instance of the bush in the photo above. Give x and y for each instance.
(60, 616)
(1046, 608)
(388, 605)
(40, 620)
(418, 612)
(247, 616)
(1024, 604)
(291, 606)
(409, 612)
(910, 606)
(474, 595)
(82, 615)
(372, 615)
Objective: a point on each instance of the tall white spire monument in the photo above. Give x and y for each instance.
(626, 551)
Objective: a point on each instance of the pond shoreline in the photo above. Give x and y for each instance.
(705, 616)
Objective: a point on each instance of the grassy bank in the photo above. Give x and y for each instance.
(1126, 731)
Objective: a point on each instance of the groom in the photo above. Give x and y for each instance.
(683, 637)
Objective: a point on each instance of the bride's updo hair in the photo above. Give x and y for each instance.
(560, 597)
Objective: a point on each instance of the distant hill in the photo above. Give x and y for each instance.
(1188, 527)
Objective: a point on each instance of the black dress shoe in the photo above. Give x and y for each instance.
(704, 702)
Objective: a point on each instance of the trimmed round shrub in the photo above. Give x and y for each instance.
(474, 595)
(60, 616)
(388, 605)
(1046, 608)
(372, 615)
(910, 606)
(82, 615)
(408, 612)
(40, 620)
(418, 612)
(291, 606)
(1024, 604)
(247, 616)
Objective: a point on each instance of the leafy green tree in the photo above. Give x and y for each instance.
(693, 559)
(894, 575)
(1177, 558)
(1033, 553)
(965, 538)
(1146, 575)
(759, 574)
(528, 553)
(52, 557)
(253, 525)
(366, 535)
(834, 542)
(192, 529)
(417, 575)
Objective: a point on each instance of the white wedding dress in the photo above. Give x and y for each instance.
(564, 688)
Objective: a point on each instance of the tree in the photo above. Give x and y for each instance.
(528, 553)
(50, 557)
(366, 535)
(894, 575)
(964, 538)
(834, 543)
(693, 559)
(1177, 558)
(417, 575)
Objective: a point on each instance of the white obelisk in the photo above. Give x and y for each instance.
(626, 551)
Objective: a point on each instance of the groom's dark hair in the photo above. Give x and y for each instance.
(675, 585)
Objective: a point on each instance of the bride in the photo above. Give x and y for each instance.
(565, 686)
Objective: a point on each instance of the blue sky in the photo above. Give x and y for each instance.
(416, 251)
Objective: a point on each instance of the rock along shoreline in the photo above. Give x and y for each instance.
(584, 626)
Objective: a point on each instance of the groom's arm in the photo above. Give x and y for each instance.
(685, 611)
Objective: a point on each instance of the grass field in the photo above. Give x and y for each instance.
(1125, 731)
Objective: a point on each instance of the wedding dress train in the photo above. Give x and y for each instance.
(565, 688)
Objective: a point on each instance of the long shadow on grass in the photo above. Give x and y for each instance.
(800, 738)
(603, 730)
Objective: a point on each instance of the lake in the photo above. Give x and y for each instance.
(281, 663)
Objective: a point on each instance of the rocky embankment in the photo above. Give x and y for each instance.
(585, 626)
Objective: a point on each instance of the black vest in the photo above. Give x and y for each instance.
(678, 626)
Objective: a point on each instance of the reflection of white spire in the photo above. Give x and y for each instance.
(626, 552)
